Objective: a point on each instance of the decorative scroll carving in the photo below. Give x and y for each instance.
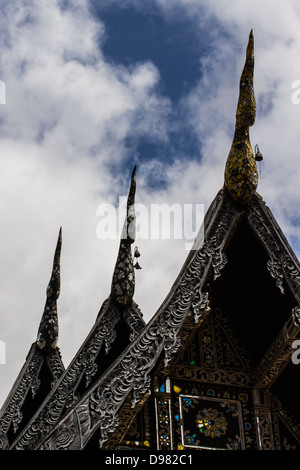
(282, 439)
(131, 373)
(275, 268)
(296, 315)
(66, 434)
(163, 422)
(4, 444)
(215, 347)
(29, 381)
(133, 317)
(213, 376)
(277, 356)
(263, 419)
(264, 429)
(282, 264)
(63, 395)
(104, 332)
(127, 420)
(55, 366)
(84, 362)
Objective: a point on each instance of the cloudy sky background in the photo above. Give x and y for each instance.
(96, 87)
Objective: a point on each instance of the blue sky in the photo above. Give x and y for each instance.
(96, 87)
(138, 36)
(173, 46)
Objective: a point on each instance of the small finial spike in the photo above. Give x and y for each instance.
(48, 330)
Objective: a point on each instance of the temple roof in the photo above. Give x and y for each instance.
(244, 257)
(188, 301)
(237, 223)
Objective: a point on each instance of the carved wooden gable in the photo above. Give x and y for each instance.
(205, 399)
(226, 386)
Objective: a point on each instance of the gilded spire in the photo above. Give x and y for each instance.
(123, 281)
(241, 175)
(48, 330)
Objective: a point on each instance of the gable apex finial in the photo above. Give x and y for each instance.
(241, 175)
(48, 330)
(123, 281)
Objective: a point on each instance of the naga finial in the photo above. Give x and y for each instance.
(123, 281)
(48, 330)
(241, 175)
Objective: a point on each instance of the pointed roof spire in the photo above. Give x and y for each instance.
(123, 281)
(48, 330)
(241, 175)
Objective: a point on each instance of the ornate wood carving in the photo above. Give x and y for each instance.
(219, 370)
(29, 381)
(84, 362)
(286, 430)
(282, 264)
(277, 356)
(131, 373)
(163, 422)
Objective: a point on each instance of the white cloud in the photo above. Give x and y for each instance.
(66, 118)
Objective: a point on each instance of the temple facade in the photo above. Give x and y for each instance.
(213, 369)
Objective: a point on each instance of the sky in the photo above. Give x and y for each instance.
(93, 88)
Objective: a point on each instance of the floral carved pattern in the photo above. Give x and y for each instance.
(282, 264)
(211, 423)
